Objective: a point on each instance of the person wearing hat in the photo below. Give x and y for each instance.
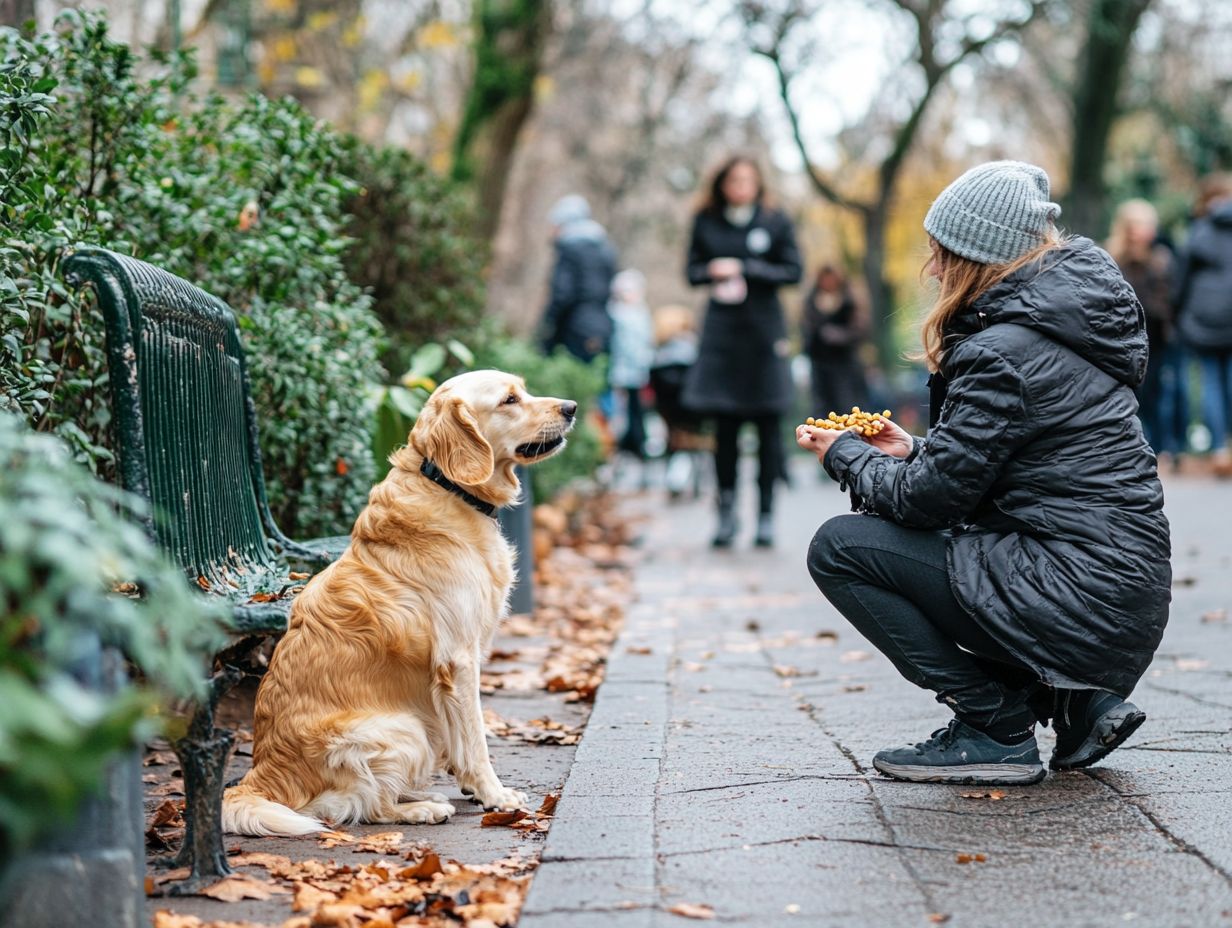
(576, 316)
(1015, 561)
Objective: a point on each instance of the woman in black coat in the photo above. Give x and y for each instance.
(1016, 560)
(743, 251)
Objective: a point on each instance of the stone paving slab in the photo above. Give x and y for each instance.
(727, 761)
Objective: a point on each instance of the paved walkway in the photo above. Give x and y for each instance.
(727, 762)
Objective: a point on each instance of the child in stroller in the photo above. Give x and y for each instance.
(675, 352)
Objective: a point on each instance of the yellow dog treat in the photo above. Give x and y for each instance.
(866, 423)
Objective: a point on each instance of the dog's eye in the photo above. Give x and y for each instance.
(511, 398)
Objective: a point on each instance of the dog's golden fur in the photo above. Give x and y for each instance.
(375, 685)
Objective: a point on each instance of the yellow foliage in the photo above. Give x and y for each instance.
(371, 86)
(354, 33)
(545, 87)
(309, 77)
(437, 34)
(408, 81)
(322, 20)
(283, 48)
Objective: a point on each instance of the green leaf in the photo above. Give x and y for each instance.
(427, 360)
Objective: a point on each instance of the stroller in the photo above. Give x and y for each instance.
(688, 447)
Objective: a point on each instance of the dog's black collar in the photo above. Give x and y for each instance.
(434, 473)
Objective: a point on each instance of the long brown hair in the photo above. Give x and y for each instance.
(962, 282)
(714, 201)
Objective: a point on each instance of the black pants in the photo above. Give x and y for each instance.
(769, 454)
(892, 584)
(634, 438)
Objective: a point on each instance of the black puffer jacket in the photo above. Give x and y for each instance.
(1205, 280)
(576, 315)
(1060, 548)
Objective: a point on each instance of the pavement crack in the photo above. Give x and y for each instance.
(879, 810)
(1176, 840)
(797, 839)
(1198, 699)
(795, 779)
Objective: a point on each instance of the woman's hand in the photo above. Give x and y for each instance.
(893, 439)
(817, 440)
(723, 268)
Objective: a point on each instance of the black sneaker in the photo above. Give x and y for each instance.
(960, 754)
(1090, 725)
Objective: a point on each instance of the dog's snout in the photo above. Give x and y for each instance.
(568, 409)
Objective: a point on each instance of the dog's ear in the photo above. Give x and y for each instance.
(454, 442)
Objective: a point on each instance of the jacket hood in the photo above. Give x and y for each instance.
(1221, 215)
(1076, 296)
(579, 230)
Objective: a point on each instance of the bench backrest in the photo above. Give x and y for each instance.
(184, 421)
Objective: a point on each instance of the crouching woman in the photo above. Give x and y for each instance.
(1016, 560)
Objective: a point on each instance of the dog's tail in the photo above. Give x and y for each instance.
(247, 812)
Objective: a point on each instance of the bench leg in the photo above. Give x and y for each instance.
(203, 754)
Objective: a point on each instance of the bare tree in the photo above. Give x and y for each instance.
(943, 40)
(508, 49)
(1096, 90)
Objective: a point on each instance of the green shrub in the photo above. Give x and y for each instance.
(66, 541)
(415, 250)
(243, 198)
(564, 376)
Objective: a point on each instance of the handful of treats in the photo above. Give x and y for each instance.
(866, 423)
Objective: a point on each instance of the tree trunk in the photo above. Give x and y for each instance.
(880, 292)
(1110, 32)
(16, 13)
(508, 45)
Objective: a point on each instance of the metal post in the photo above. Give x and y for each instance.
(517, 526)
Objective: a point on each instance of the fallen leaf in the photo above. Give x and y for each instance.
(752, 625)
(167, 812)
(1185, 664)
(855, 688)
(493, 819)
(691, 910)
(297, 575)
(428, 866)
(203, 583)
(970, 858)
(827, 636)
(549, 805)
(638, 649)
(309, 898)
(939, 918)
(164, 918)
(994, 794)
(385, 842)
(332, 839)
(239, 886)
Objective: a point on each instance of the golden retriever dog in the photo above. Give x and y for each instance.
(375, 685)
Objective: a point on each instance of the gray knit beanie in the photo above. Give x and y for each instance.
(995, 213)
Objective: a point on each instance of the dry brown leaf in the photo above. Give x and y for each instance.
(970, 858)
(332, 839)
(939, 918)
(638, 649)
(994, 794)
(309, 898)
(167, 813)
(385, 842)
(692, 910)
(165, 918)
(855, 688)
(494, 819)
(297, 575)
(548, 808)
(239, 886)
(427, 867)
(827, 636)
(274, 863)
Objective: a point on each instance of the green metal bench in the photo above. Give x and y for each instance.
(186, 435)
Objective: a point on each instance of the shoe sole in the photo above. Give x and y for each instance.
(1111, 731)
(966, 775)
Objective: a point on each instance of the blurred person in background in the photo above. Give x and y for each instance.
(1148, 266)
(632, 352)
(832, 329)
(675, 353)
(743, 251)
(576, 316)
(1204, 304)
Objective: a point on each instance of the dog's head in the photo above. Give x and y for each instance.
(478, 425)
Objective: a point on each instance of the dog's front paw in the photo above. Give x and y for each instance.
(501, 798)
(424, 812)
